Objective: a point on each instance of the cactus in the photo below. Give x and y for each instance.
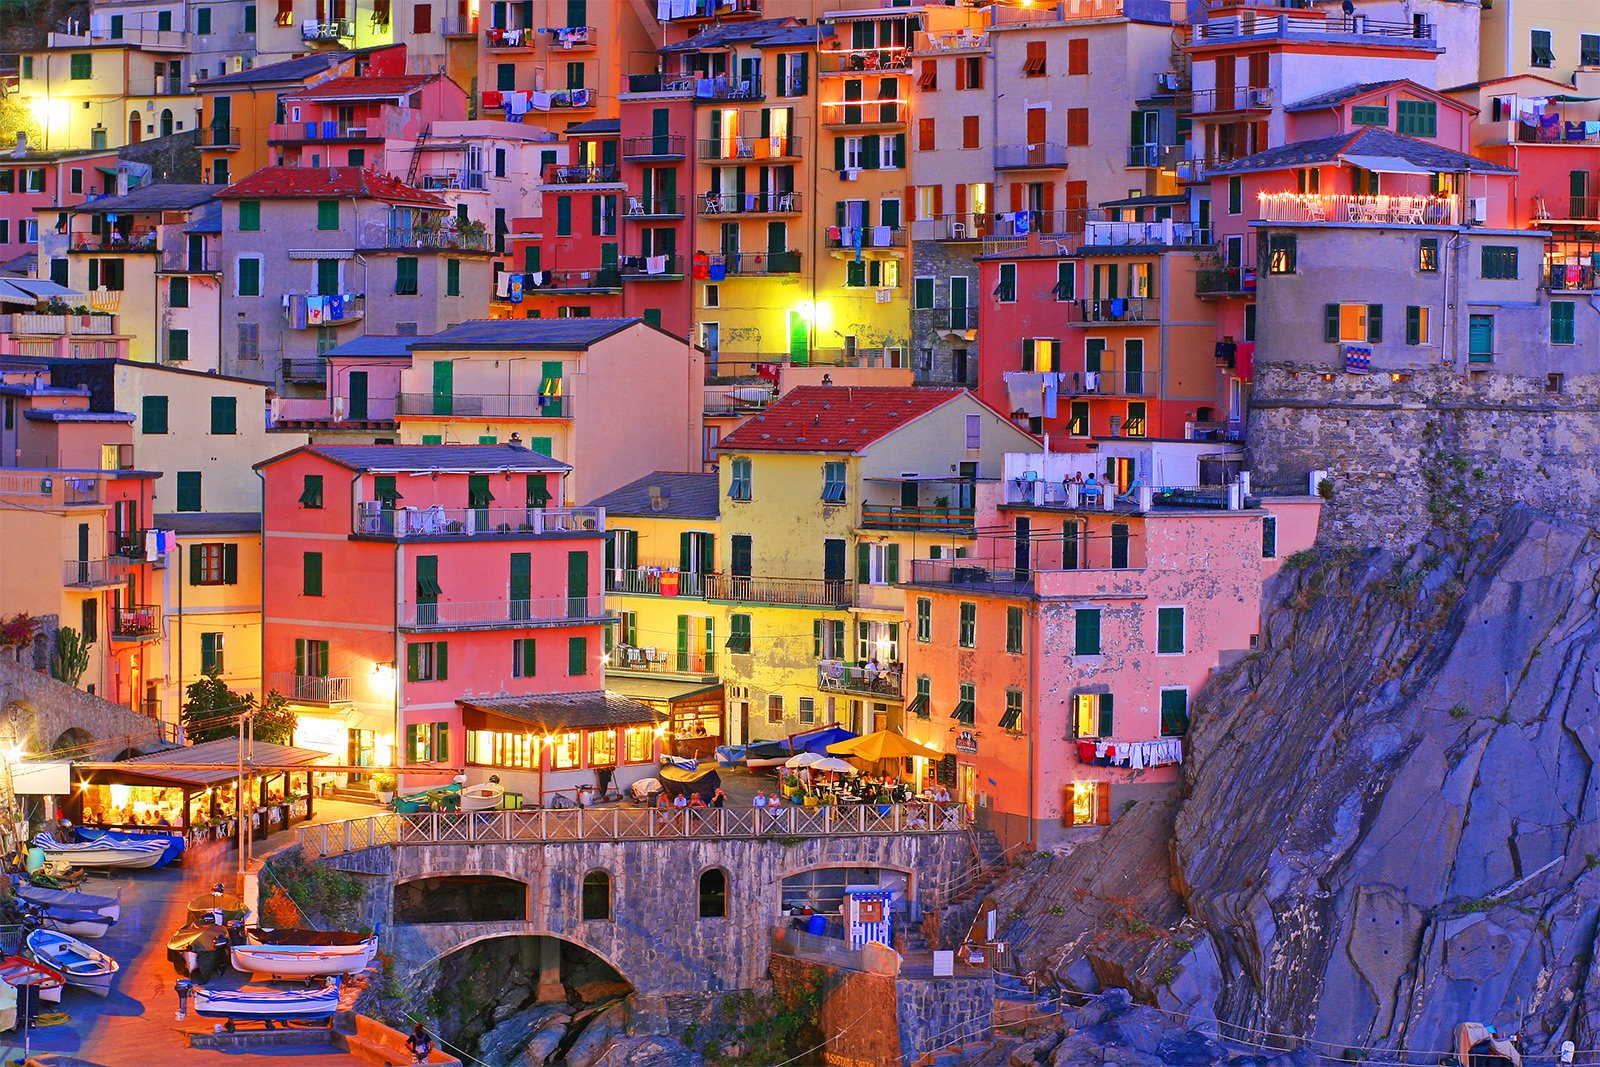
(71, 656)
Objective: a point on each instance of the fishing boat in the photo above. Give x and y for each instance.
(766, 754)
(268, 1005)
(290, 953)
(110, 907)
(173, 842)
(730, 755)
(87, 968)
(486, 797)
(74, 921)
(103, 853)
(198, 950)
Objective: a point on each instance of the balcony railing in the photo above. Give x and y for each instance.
(664, 146)
(28, 324)
(915, 517)
(652, 659)
(736, 399)
(140, 239)
(311, 688)
(183, 261)
(1116, 309)
(1232, 98)
(1023, 156)
(1557, 129)
(750, 148)
(847, 61)
(865, 237)
(1570, 277)
(1257, 24)
(1371, 210)
(322, 130)
(447, 178)
(536, 611)
(128, 546)
(1225, 281)
(962, 318)
(961, 572)
(484, 405)
(730, 88)
(444, 239)
(1147, 155)
(136, 622)
(1166, 232)
(956, 41)
(654, 207)
(458, 26)
(308, 371)
(581, 174)
(661, 83)
(80, 490)
(327, 30)
(754, 264)
(683, 10)
(1583, 208)
(374, 520)
(1108, 383)
(782, 203)
(92, 573)
(856, 357)
(886, 682)
(591, 280)
(647, 580)
(652, 268)
(219, 137)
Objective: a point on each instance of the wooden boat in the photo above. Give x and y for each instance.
(74, 921)
(290, 953)
(267, 1004)
(444, 798)
(675, 780)
(485, 797)
(87, 968)
(110, 907)
(730, 755)
(104, 853)
(766, 754)
(199, 951)
(172, 840)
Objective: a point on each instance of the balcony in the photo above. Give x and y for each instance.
(591, 280)
(1368, 210)
(719, 89)
(502, 37)
(736, 399)
(690, 10)
(956, 41)
(654, 207)
(1109, 383)
(1231, 99)
(307, 311)
(128, 546)
(969, 575)
(853, 237)
(141, 239)
(375, 520)
(1044, 155)
(329, 31)
(758, 264)
(219, 137)
(94, 573)
(447, 178)
(1150, 155)
(855, 61)
(959, 319)
(666, 268)
(311, 688)
(1111, 233)
(501, 614)
(313, 371)
(1569, 277)
(781, 203)
(864, 115)
(1566, 208)
(318, 131)
(1225, 281)
(653, 660)
(581, 174)
(184, 261)
(1130, 309)
(663, 147)
(885, 683)
(443, 240)
(668, 581)
(661, 83)
(879, 516)
(137, 622)
(855, 357)
(28, 324)
(1314, 26)
(752, 149)
(484, 405)
(458, 26)
(1555, 129)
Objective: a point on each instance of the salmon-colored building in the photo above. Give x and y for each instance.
(1056, 664)
(401, 579)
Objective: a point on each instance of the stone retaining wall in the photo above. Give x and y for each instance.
(46, 709)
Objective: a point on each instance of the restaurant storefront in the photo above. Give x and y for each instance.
(694, 712)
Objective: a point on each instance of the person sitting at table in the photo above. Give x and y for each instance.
(941, 796)
(915, 821)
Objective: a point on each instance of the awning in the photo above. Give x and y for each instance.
(205, 764)
(32, 290)
(1566, 98)
(321, 253)
(660, 690)
(1386, 164)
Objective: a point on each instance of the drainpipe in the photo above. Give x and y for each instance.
(1033, 714)
(261, 651)
(397, 650)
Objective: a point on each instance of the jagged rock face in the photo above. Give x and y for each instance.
(1388, 824)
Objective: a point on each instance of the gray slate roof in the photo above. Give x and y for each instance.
(437, 457)
(568, 334)
(166, 197)
(290, 70)
(1339, 96)
(559, 711)
(210, 522)
(597, 126)
(376, 345)
(1371, 141)
(689, 495)
(764, 31)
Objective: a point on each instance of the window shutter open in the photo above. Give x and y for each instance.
(412, 656)
(1375, 322)
(1107, 718)
(195, 564)
(1330, 322)
(863, 563)
(891, 566)
(441, 661)
(230, 564)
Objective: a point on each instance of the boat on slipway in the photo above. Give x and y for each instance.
(291, 953)
(268, 1005)
(104, 853)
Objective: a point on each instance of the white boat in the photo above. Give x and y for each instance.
(303, 953)
(485, 797)
(104, 853)
(268, 1004)
(110, 907)
(74, 922)
(84, 967)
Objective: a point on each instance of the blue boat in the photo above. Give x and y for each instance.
(173, 841)
(268, 1005)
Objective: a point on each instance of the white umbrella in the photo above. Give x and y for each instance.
(833, 764)
(804, 759)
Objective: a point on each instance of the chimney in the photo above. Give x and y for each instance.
(22, 145)
(660, 497)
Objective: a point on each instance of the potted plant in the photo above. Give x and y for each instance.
(384, 783)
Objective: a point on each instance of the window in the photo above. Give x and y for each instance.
(974, 434)
(214, 564)
(250, 18)
(577, 657)
(1006, 290)
(1078, 418)
(1480, 339)
(155, 415)
(1169, 631)
(1174, 712)
(210, 653)
(1077, 126)
(833, 483)
(1540, 52)
(966, 711)
(1499, 261)
(1086, 632)
(639, 744)
(774, 708)
(249, 276)
(808, 710)
(602, 748)
(921, 294)
(1033, 64)
(1416, 118)
(1370, 115)
(877, 564)
(428, 661)
(27, 61)
(563, 216)
(714, 894)
(1563, 325)
(1269, 537)
(524, 657)
(574, 75)
(452, 277)
(1093, 715)
(1352, 323)
(1013, 629)
(739, 482)
(1589, 50)
(1283, 253)
(921, 704)
(188, 490)
(177, 345)
(1417, 325)
(1428, 255)
(405, 276)
(311, 573)
(82, 66)
(1235, 195)
(969, 72)
(249, 340)
(1066, 287)
(927, 132)
(924, 619)
(969, 131)
(967, 630)
(224, 415)
(739, 633)
(311, 491)
(1078, 55)
(327, 214)
(202, 20)
(596, 897)
(250, 215)
(1011, 721)
(178, 292)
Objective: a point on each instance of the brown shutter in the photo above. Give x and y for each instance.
(1102, 803)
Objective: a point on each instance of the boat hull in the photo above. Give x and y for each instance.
(103, 853)
(110, 907)
(302, 961)
(265, 1006)
(76, 926)
(84, 967)
(172, 844)
(482, 798)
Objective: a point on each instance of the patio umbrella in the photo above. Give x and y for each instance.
(833, 765)
(884, 744)
(804, 759)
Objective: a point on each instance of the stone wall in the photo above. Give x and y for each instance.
(1435, 448)
(940, 260)
(47, 709)
(856, 1006)
(935, 1013)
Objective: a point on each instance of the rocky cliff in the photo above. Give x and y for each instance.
(1387, 824)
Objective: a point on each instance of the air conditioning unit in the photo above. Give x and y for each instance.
(1478, 210)
(849, 175)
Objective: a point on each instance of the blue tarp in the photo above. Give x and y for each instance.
(818, 740)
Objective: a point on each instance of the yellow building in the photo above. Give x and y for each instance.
(85, 94)
(213, 600)
(1550, 38)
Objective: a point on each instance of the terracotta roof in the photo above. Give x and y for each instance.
(834, 418)
(285, 183)
(366, 85)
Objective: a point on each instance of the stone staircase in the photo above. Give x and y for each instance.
(946, 925)
(359, 793)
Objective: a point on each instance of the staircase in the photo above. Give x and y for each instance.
(359, 793)
(946, 926)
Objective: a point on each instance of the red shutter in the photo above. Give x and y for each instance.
(422, 18)
(1017, 203)
(1102, 803)
(1078, 55)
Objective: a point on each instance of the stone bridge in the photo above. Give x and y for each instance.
(530, 869)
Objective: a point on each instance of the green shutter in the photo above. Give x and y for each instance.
(838, 153)
(816, 638)
(155, 414)
(230, 564)
(311, 574)
(1375, 322)
(1169, 630)
(683, 642)
(224, 415)
(1330, 322)
(1107, 717)
(521, 575)
(249, 276)
(196, 565)
(441, 661)
(1413, 325)
(413, 731)
(577, 656)
(711, 644)
(871, 152)
(1027, 353)
(891, 566)
(300, 656)
(441, 742)
(863, 563)
(249, 215)
(563, 216)
(327, 214)
(1563, 322)
(412, 656)
(1086, 622)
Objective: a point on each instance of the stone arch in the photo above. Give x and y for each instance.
(73, 740)
(714, 888)
(527, 930)
(597, 896)
(460, 897)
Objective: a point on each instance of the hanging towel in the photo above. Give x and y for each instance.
(491, 98)
(1051, 383)
(152, 544)
(718, 270)
(655, 265)
(539, 101)
(316, 310)
(1025, 392)
(1091, 381)
(1019, 224)
(1119, 307)
(880, 237)
(335, 308)
(833, 233)
(502, 285)
(700, 266)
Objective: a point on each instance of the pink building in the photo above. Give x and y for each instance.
(1056, 665)
(362, 378)
(366, 120)
(31, 180)
(406, 584)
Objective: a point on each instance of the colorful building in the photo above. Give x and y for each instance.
(212, 592)
(85, 94)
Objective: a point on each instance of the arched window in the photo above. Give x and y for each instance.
(135, 127)
(166, 122)
(596, 896)
(714, 894)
